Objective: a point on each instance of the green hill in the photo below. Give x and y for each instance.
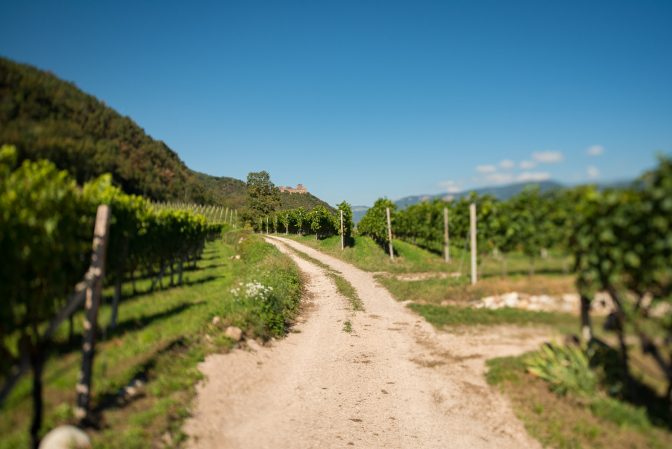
(229, 192)
(232, 193)
(305, 200)
(48, 118)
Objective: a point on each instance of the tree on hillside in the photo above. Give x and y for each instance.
(263, 198)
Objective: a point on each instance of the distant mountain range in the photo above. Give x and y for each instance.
(503, 192)
(500, 192)
(358, 212)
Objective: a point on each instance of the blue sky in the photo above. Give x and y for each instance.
(364, 99)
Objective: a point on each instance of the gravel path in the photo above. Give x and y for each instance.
(393, 382)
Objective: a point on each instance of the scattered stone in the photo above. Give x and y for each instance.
(569, 302)
(66, 437)
(510, 299)
(253, 345)
(234, 333)
(167, 439)
(421, 276)
(237, 257)
(660, 310)
(133, 389)
(216, 320)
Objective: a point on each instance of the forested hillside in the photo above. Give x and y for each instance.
(48, 118)
(305, 200)
(45, 117)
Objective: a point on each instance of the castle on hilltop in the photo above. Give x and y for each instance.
(299, 189)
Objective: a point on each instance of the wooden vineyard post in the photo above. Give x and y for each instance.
(91, 303)
(389, 233)
(342, 236)
(472, 227)
(446, 236)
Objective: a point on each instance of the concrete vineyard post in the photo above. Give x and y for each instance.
(472, 227)
(267, 224)
(342, 236)
(446, 236)
(92, 301)
(389, 232)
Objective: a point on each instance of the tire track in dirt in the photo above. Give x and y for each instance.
(393, 382)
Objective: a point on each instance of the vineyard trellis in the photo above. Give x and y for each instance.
(319, 221)
(45, 228)
(619, 238)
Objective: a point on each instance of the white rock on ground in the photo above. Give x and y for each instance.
(234, 333)
(253, 345)
(66, 437)
(569, 302)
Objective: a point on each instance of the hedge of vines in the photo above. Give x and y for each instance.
(620, 240)
(46, 227)
(319, 222)
(528, 222)
(213, 214)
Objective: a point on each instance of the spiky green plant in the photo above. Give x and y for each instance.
(565, 367)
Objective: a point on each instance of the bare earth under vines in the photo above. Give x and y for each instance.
(392, 382)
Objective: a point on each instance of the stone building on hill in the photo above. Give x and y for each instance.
(298, 189)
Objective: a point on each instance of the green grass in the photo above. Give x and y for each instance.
(460, 290)
(347, 327)
(571, 421)
(160, 338)
(344, 287)
(369, 256)
(447, 316)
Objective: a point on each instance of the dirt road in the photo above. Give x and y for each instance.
(393, 382)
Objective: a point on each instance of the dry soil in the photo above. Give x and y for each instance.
(392, 382)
